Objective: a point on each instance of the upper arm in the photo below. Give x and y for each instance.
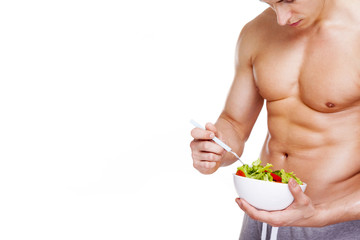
(244, 102)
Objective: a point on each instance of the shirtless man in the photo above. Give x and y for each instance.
(302, 58)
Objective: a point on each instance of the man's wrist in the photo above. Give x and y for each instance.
(332, 213)
(322, 216)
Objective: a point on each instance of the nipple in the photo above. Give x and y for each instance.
(330, 105)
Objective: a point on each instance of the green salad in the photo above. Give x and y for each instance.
(256, 171)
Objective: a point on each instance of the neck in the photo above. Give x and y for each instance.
(337, 12)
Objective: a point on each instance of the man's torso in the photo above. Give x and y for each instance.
(311, 82)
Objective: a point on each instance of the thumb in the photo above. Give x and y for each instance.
(211, 127)
(295, 189)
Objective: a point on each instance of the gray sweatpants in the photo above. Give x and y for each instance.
(251, 230)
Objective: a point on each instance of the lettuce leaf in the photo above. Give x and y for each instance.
(257, 171)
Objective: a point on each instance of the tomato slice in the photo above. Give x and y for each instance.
(276, 177)
(240, 173)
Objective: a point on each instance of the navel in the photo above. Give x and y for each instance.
(286, 155)
(330, 105)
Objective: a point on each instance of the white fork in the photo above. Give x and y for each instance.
(218, 141)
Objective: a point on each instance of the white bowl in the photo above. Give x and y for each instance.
(264, 195)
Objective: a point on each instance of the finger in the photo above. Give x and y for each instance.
(210, 147)
(299, 195)
(201, 134)
(211, 127)
(205, 167)
(205, 164)
(207, 146)
(249, 210)
(206, 156)
(275, 218)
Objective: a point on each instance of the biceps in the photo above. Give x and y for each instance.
(244, 102)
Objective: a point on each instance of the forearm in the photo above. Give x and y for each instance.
(233, 135)
(341, 210)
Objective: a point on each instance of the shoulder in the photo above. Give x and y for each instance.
(261, 23)
(255, 33)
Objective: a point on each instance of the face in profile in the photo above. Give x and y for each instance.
(297, 13)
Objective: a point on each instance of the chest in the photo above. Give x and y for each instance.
(323, 71)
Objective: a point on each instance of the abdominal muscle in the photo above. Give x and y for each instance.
(322, 149)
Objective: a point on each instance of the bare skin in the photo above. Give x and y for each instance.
(302, 59)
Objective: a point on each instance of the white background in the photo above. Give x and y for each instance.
(95, 103)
